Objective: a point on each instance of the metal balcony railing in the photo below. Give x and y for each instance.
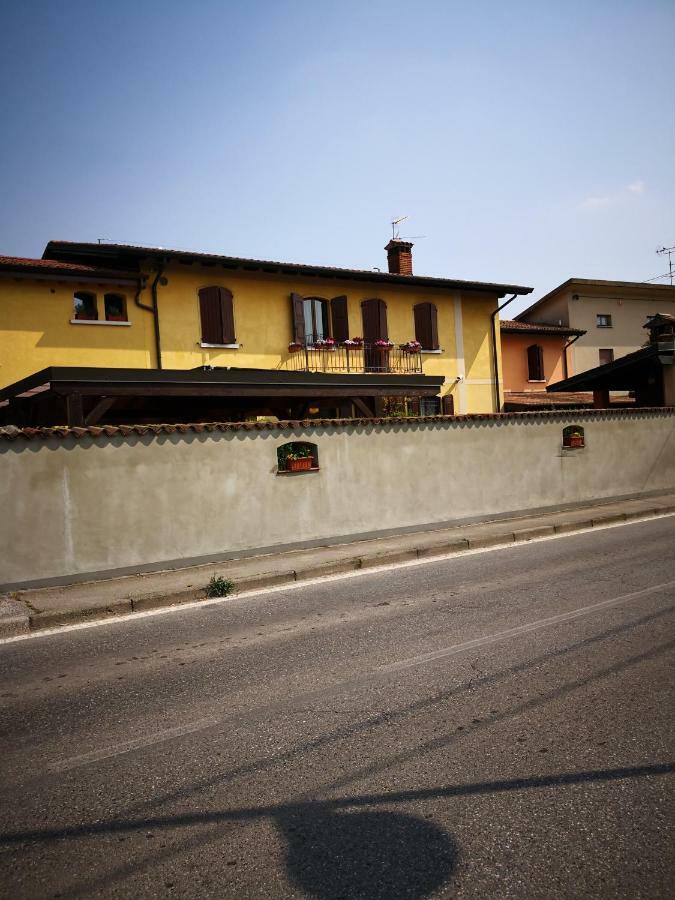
(366, 358)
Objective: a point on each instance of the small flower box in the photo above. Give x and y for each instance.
(299, 465)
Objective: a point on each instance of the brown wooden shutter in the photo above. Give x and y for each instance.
(535, 363)
(426, 325)
(227, 313)
(433, 326)
(382, 319)
(340, 320)
(374, 320)
(298, 314)
(448, 402)
(211, 315)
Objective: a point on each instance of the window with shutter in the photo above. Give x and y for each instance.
(535, 363)
(217, 315)
(374, 313)
(316, 319)
(426, 325)
(338, 309)
(448, 405)
(298, 318)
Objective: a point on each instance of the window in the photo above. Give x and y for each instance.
(430, 406)
(315, 315)
(217, 316)
(84, 306)
(115, 308)
(535, 363)
(426, 325)
(606, 356)
(603, 321)
(297, 456)
(573, 436)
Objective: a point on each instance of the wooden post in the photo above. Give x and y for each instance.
(74, 413)
(601, 398)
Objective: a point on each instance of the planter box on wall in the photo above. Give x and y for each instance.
(299, 465)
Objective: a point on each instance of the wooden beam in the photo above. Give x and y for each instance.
(99, 410)
(360, 405)
(237, 390)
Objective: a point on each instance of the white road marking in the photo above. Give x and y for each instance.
(523, 629)
(310, 582)
(159, 737)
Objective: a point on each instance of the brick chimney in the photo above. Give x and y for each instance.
(399, 257)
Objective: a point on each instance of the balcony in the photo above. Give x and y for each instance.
(377, 360)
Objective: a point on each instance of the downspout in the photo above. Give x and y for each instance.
(568, 344)
(495, 355)
(155, 308)
(142, 282)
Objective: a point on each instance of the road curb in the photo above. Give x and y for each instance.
(19, 620)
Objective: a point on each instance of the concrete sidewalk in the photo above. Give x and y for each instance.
(31, 610)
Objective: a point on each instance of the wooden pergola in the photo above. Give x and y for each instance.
(90, 396)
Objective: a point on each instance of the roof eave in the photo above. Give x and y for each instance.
(64, 248)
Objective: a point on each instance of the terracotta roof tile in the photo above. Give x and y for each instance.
(23, 264)
(11, 432)
(511, 325)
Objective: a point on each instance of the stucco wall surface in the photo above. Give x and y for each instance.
(96, 504)
(626, 334)
(514, 360)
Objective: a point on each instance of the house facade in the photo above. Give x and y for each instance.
(117, 306)
(611, 313)
(648, 373)
(533, 355)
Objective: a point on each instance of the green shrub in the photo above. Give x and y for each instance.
(219, 586)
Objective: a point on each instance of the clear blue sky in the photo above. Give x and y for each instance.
(529, 141)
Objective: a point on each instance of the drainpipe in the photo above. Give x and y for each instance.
(142, 283)
(495, 355)
(568, 344)
(155, 309)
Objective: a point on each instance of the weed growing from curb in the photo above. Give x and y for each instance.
(219, 586)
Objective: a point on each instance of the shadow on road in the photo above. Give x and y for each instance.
(338, 847)
(369, 853)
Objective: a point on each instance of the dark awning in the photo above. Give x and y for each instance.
(623, 374)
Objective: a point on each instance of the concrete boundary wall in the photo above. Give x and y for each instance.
(84, 505)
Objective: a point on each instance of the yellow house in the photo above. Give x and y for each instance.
(126, 307)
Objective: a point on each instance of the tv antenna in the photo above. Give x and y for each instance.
(394, 227)
(395, 235)
(669, 251)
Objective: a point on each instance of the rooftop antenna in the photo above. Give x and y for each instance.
(669, 251)
(394, 227)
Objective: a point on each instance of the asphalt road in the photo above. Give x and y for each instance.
(493, 725)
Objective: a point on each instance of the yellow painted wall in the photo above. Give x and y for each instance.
(35, 330)
(35, 327)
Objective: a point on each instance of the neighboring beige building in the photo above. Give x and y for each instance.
(612, 313)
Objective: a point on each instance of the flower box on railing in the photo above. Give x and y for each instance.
(324, 344)
(410, 347)
(294, 347)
